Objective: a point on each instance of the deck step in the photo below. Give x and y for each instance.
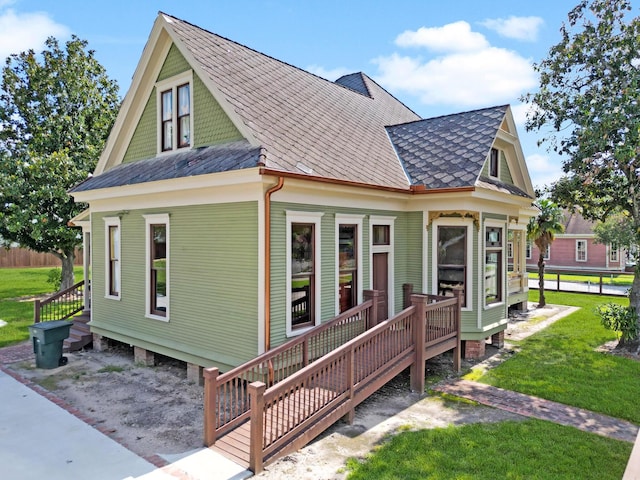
(80, 334)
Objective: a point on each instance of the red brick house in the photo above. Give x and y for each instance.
(575, 249)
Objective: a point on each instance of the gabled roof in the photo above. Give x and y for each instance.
(305, 124)
(350, 130)
(184, 163)
(447, 151)
(576, 224)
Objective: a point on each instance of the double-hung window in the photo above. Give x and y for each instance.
(175, 107)
(493, 265)
(614, 253)
(112, 257)
(303, 271)
(581, 250)
(348, 261)
(157, 266)
(452, 250)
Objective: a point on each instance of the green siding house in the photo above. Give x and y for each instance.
(240, 201)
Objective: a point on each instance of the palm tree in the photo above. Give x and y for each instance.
(542, 230)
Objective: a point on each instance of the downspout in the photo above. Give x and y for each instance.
(267, 262)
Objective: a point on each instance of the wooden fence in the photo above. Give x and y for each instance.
(16, 257)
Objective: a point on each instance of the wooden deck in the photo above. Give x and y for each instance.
(255, 414)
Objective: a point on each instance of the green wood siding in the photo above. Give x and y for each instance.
(211, 125)
(505, 173)
(407, 258)
(213, 281)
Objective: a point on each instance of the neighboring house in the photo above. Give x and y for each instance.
(575, 249)
(240, 201)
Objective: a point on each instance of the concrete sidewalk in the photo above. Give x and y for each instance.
(42, 437)
(39, 439)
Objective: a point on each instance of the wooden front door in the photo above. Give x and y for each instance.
(381, 283)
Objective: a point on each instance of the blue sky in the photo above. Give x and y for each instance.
(437, 57)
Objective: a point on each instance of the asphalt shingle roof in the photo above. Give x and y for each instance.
(447, 151)
(186, 163)
(298, 117)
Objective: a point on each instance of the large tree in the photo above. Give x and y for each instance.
(56, 111)
(542, 230)
(589, 96)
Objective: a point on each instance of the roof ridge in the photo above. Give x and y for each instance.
(274, 58)
(495, 107)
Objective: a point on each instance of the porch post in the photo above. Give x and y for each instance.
(418, 369)
(373, 313)
(407, 290)
(86, 264)
(256, 426)
(457, 352)
(210, 410)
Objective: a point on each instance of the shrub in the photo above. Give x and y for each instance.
(619, 319)
(54, 278)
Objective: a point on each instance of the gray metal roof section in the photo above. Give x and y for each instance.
(447, 151)
(187, 163)
(300, 118)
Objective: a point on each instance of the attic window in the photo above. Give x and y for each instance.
(175, 108)
(493, 163)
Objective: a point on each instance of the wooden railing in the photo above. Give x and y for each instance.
(226, 402)
(61, 305)
(287, 415)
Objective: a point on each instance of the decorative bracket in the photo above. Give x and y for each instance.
(475, 216)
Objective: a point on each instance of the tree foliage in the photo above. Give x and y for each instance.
(542, 230)
(56, 111)
(588, 104)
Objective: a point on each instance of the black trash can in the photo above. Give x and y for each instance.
(48, 338)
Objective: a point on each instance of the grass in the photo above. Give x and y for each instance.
(613, 279)
(531, 449)
(14, 284)
(558, 363)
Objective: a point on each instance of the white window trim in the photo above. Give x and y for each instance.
(614, 254)
(497, 176)
(510, 250)
(547, 254)
(171, 84)
(528, 250)
(578, 242)
(389, 249)
(156, 219)
(315, 219)
(453, 222)
(342, 219)
(112, 222)
(494, 224)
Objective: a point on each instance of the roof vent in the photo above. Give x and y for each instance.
(303, 168)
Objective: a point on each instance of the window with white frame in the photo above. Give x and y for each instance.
(175, 112)
(510, 249)
(348, 261)
(493, 264)
(581, 250)
(157, 266)
(494, 162)
(547, 253)
(112, 257)
(614, 253)
(528, 250)
(303, 271)
(452, 257)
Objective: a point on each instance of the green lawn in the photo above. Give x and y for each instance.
(16, 283)
(531, 449)
(558, 363)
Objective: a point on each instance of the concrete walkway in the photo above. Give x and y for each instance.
(43, 437)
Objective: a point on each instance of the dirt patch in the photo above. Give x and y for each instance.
(152, 410)
(155, 410)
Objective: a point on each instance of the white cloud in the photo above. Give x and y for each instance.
(520, 111)
(468, 72)
(518, 28)
(22, 31)
(453, 37)
(329, 74)
(482, 78)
